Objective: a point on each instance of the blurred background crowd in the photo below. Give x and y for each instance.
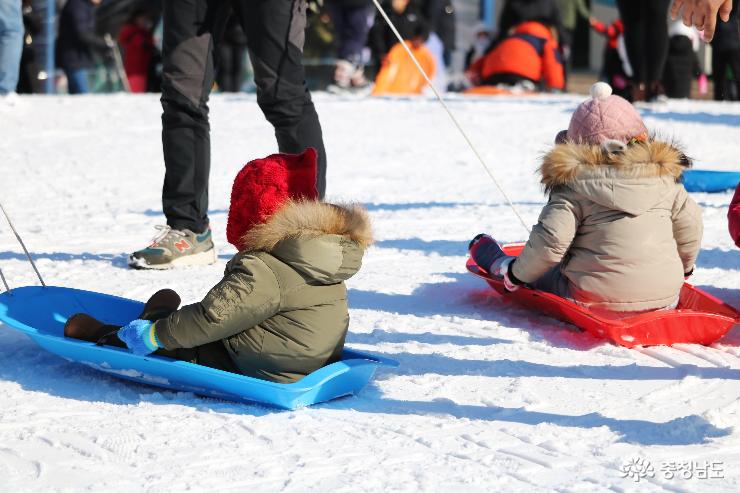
(81, 46)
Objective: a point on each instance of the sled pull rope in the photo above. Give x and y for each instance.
(7, 288)
(23, 245)
(451, 115)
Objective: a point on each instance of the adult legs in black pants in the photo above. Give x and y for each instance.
(646, 40)
(721, 59)
(275, 31)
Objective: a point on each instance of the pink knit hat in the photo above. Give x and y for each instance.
(603, 118)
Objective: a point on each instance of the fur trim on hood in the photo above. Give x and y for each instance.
(310, 218)
(570, 162)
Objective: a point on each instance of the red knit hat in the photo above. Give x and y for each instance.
(264, 185)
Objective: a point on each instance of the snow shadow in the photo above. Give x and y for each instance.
(687, 430)
(405, 206)
(115, 259)
(41, 371)
(441, 247)
(716, 258)
(697, 117)
(158, 212)
(467, 296)
(375, 207)
(439, 364)
(382, 336)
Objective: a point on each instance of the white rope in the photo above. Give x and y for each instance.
(7, 288)
(452, 117)
(33, 264)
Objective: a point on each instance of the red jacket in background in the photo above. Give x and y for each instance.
(612, 31)
(530, 51)
(734, 217)
(138, 47)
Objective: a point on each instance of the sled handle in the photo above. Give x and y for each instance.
(23, 245)
(7, 288)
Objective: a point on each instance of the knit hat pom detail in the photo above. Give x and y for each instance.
(601, 90)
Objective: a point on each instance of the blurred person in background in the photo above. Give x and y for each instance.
(137, 41)
(11, 44)
(77, 43)
(646, 39)
(405, 16)
(726, 57)
(615, 65)
(570, 10)
(481, 42)
(232, 52)
(682, 64)
(529, 57)
(440, 16)
(28, 78)
(352, 20)
(517, 11)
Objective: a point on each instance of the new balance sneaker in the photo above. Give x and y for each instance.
(175, 248)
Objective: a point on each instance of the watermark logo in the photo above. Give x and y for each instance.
(639, 468)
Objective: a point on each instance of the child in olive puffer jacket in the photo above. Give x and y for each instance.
(619, 231)
(280, 311)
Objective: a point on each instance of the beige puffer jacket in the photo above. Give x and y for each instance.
(623, 230)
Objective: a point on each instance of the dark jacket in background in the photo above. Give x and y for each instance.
(440, 14)
(517, 11)
(381, 39)
(77, 40)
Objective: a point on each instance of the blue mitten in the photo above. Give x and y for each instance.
(489, 256)
(140, 337)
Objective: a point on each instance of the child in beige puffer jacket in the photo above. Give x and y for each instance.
(619, 231)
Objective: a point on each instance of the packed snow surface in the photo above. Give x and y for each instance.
(488, 397)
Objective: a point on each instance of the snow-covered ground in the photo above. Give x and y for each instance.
(487, 398)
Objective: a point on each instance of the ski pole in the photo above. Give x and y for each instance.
(118, 60)
(23, 245)
(449, 112)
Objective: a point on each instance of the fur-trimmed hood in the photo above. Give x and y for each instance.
(324, 241)
(631, 180)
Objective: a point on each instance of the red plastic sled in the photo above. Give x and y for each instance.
(699, 319)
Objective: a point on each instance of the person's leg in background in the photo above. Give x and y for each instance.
(225, 72)
(11, 44)
(633, 15)
(719, 74)
(733, 59)
(275, 32)
(355, 27)
(77, 81)
(655, 44)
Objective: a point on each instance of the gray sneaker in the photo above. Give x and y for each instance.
(175, 248)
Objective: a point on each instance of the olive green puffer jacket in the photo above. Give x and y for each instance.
(620, 226)
(281, 308)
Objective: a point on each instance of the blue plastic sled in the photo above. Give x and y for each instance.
(41, 313)
(700, 180)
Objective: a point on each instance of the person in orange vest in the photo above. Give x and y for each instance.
(529, 53)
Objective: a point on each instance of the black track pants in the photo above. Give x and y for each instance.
(645, 36)
(275, 31)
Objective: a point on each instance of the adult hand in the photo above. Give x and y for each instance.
(702, 14)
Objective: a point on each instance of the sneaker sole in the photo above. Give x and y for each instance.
(202, 258)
